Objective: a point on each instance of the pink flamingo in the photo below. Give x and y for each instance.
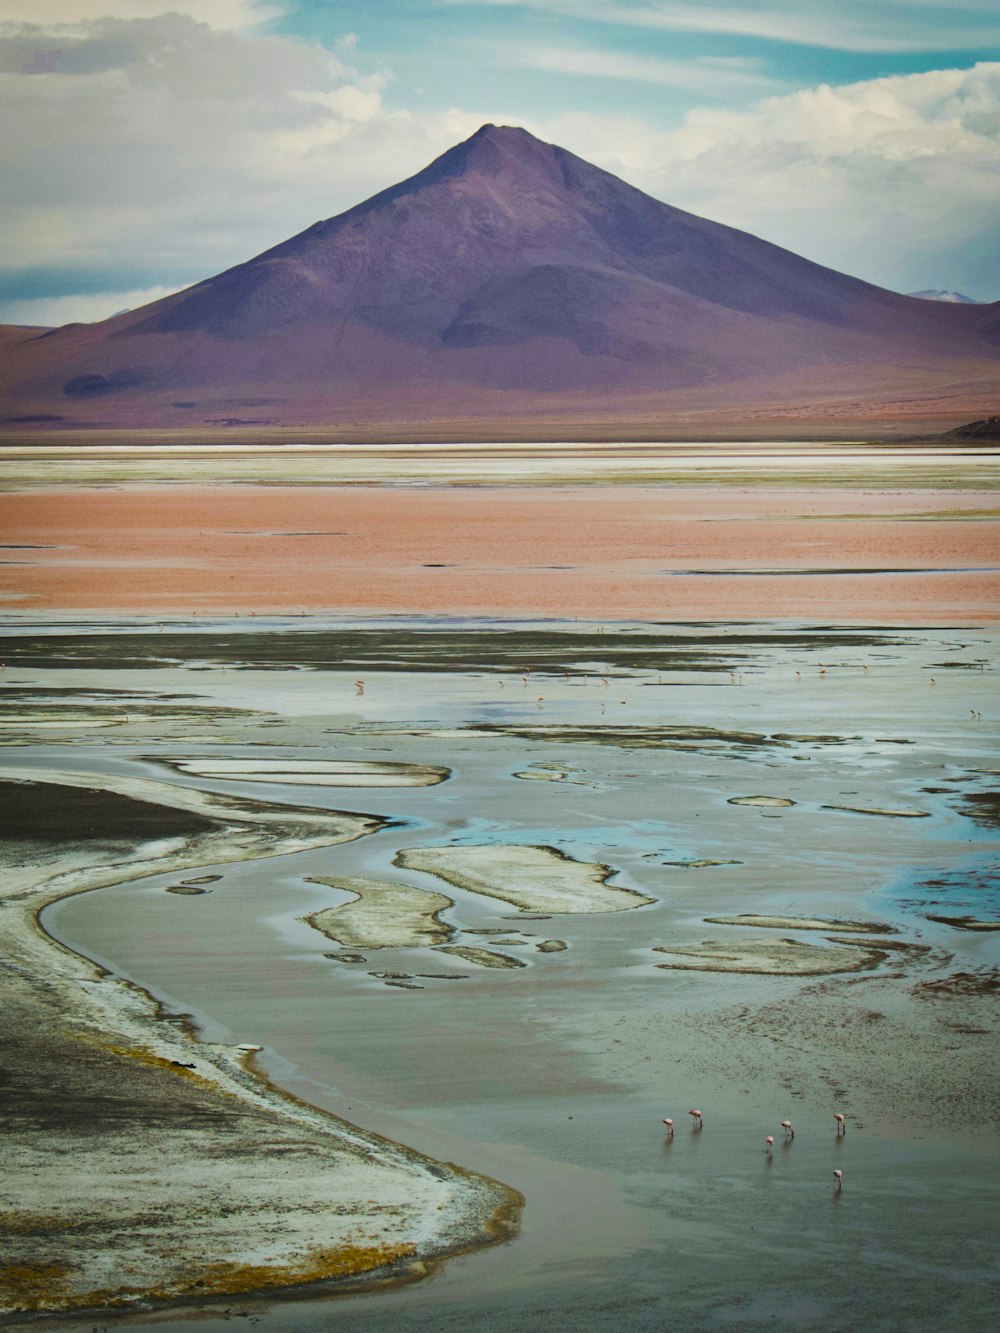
(670, 1128)
(786, 1125)
(841, 1123)
(697, 1118)
(838, 1179)
(769, 1144)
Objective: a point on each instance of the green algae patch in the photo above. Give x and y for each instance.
(878, 810)
(800, 923)
(536, 879)
(482, 957)
(760, 800)
(964, 922)
(770, 957)
(382, 915)
(314, 772)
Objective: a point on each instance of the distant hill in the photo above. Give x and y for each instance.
(953, 298)
(986, 430)
(508, 278)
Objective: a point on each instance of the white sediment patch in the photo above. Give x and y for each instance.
(536, 879)
(202, 1179)
(761, 800)
(770, 957)
(382, 915)
(315, 772)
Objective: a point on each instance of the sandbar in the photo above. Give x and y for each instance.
(770, 957)
(382, 915)
(800, 923)
(878, 810)
(482, 957)
(964, 922)
(315, 772)
(536, 879)
(761, 800)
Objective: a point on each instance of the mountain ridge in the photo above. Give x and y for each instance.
(510, 271)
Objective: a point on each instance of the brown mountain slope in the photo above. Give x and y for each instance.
(508, 278)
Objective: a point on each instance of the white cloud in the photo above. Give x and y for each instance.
(51, 311)
(889, 179)
(848, 25)
(238, 14)
(705, 76)
(161, 140)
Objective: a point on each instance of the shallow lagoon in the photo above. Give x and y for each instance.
(554, 1076)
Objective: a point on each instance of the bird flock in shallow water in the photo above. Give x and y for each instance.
(698, 1122)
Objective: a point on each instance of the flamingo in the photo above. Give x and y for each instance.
(838, 1179)
(670, 1128)
(769, 1144)
(841, 1123)
(786, 1125)
(697, 1118)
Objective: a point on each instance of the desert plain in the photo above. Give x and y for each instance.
(396, 837)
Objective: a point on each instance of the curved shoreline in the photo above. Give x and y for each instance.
(250, 1189)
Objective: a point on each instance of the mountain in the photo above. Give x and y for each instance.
(508, 278)
(937, 294)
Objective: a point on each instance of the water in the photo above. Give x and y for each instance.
(555, 1077)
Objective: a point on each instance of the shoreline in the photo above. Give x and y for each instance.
(120, 1031)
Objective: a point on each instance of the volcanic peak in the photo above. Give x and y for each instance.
(509, 270)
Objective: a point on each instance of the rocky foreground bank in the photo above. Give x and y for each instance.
(144, 1166)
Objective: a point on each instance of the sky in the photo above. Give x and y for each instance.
(148, 144)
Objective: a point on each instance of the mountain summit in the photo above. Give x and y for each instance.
(507, 276)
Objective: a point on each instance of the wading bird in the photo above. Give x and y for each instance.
(769, 1144)
(670, 1127)
(838, 1179)
(697, 1118)
(841, 1123)
(786, 1125)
